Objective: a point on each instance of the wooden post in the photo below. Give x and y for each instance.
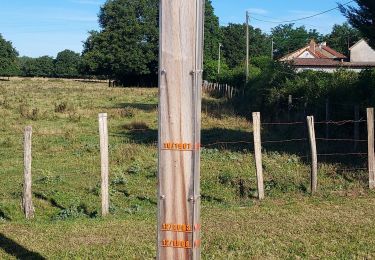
(27, 203)
(103, 133)
(371, 156)
(181, 63)
(290, 103)
(258, 153)
(314, 156)
(356, 127)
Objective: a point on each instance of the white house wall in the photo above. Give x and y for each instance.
(328, 70)
(306, 55)
(362, 52)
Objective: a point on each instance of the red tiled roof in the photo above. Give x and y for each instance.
(319, 51)
(320, 55)
(333, 52)
(329, 63)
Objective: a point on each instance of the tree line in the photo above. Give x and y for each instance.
(125, 48)
(67, 63)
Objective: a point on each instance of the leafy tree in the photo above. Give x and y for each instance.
(288, 39)
(342, 37)
(67, 64)
(37, 67)
(362, 18)
(211, 32)
(234, 44)
(126, 48)
(8, 58)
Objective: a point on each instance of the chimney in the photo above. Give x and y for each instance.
(312, 46)
(322, 45)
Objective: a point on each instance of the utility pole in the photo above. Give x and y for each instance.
(180, 86)
(272, 43)
(247, 46)
(219, 59)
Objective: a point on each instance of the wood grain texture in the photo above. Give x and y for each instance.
(371, 155)
(314, 155)
(258, 153)
(104, 162)
(27, 203)
(180, 81)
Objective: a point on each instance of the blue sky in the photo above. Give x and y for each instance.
(45, 27)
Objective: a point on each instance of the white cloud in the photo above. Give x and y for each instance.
(87, 2)
(257, 11)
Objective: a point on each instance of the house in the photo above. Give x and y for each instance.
(362, 52)
(320, 57)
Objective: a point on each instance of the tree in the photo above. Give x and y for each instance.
(342, 37)
(37, 67)
(212, 39)
(362, 18)
(288, 39)
(212, 33)
(126, 48)
(234, 44)
(8, 58)
(67, 64)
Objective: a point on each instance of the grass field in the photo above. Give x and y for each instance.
(336, 223)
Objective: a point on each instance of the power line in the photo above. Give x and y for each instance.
(304, 18)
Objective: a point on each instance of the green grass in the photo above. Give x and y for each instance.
(336, 223)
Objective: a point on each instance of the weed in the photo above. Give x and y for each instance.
(49, 179)
(135, 168)
(7, 142)
(29, 113)
(72, 212)
(74, 116)
(127, 112)
(61, 107)
(133, 209)
(136, 125)
(119, 180)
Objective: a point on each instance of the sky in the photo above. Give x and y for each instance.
(46, 27)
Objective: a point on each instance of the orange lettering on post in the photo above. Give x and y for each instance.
(176, 244)
(180, 146)
(176, 228)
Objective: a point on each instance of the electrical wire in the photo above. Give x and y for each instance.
(303, 18)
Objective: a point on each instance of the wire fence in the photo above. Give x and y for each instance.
(297, 138)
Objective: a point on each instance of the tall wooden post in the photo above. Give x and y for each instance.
(103, 134)
(258, 154)
(181, 62)
(371, 155)
(27, 203)
(314, 156)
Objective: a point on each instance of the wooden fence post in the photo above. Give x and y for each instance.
(356, 127)
(258, 153)
(371, 156)
(27, 203)
(103, 133)
(314, 156)
(290, 103)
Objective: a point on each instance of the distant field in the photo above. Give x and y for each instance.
(336, 223)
